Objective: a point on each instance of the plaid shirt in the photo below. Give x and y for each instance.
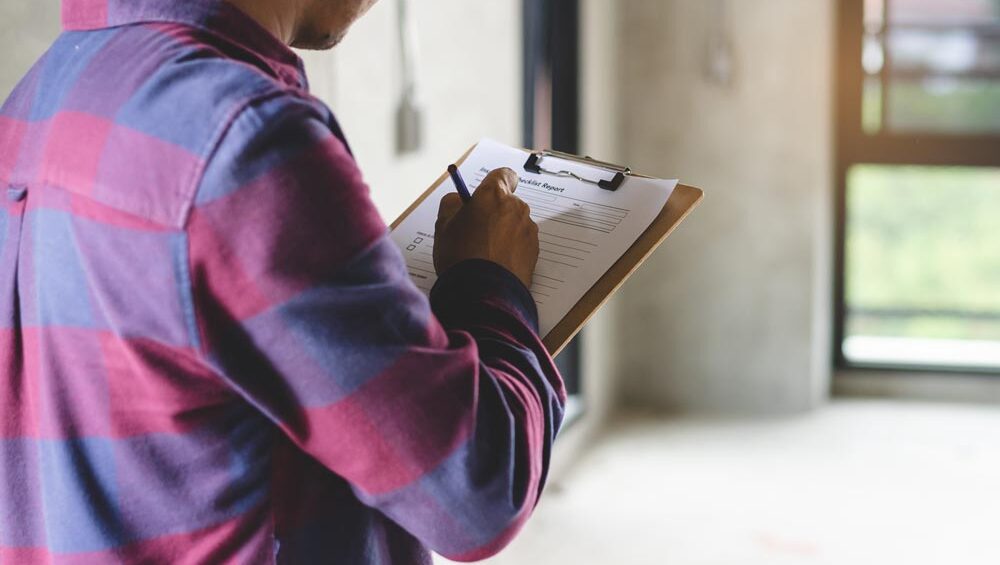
(209, 349)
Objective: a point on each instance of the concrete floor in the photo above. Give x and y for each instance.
(858, 483)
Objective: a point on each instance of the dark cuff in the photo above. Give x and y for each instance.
(467, 287)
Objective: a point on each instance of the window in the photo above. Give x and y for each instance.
(918, 176)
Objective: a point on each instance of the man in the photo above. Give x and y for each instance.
(210, 351)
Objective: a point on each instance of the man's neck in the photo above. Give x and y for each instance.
(278, 17)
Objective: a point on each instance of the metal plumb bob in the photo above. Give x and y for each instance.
(533, 165)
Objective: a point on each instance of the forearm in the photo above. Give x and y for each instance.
(520, 396)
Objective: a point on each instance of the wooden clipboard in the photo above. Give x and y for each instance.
(682, 201)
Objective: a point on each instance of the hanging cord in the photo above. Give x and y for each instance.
(409, 115)
(720, 63)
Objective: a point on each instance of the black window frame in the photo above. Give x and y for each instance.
(551, 110)
(854, 146)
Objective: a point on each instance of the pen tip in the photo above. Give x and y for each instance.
(452, 169)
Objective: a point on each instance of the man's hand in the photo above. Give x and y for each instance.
(495, 225)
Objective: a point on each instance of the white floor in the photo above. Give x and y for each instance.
(879, 483)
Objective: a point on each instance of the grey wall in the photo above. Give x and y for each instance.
(26, 30)
(732, 314)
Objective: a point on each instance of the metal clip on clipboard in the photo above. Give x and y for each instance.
(533, 165)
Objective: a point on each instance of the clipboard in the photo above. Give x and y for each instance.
(682, 202)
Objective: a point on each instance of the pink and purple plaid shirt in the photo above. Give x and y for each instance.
(210, 352)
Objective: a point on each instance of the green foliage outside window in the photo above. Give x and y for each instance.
(924, 240)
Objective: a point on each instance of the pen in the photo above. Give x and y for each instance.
(456, 177)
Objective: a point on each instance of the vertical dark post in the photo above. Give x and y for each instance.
(534, 64)
(565, 45)
(849, 79)
(552, 104)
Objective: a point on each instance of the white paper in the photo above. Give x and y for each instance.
(583, 229)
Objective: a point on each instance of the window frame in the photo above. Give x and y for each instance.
(551, 114)
(854, 146)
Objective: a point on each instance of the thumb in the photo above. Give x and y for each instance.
(499, 182)
(451, 203)
(508, 179)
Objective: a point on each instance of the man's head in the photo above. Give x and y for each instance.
(307, 24)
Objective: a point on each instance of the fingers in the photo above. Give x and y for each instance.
(450, 205)
(500, 182)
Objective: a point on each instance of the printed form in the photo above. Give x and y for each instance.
(583, 229)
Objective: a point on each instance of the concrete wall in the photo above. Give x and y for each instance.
(733, 313)
(26, 30)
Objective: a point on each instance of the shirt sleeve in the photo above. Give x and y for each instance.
(442, 418)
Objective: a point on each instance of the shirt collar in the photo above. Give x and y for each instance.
(216, 16)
